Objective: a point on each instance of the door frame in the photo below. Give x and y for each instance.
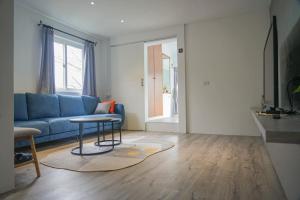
(181, 79)
(178, 32)
(146, 45)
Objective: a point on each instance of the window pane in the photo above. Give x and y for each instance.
(74, 67)
(59, 65)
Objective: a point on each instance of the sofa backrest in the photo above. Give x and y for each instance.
(20, 107)
(42, 106)
(36, 106)
(90, 104)
(71, 105)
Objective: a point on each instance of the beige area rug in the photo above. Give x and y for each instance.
(129, 153)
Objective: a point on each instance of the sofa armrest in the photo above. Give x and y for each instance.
(119, 109)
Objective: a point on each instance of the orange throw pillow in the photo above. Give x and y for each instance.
(112, 105)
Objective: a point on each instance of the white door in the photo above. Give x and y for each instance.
(127, 72)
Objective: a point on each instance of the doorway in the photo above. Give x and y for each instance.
(161, 81)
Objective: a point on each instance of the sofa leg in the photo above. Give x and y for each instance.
(36, 162)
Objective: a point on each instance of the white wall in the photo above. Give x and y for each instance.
(223, 70)
(224, 73)
(28, 47)
(6, 96)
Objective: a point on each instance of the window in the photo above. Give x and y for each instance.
(68, 56)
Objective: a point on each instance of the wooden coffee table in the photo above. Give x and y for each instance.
(101, 146)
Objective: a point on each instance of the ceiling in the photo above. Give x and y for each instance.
(103, 18)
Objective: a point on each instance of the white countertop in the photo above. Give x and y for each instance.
(283, 130)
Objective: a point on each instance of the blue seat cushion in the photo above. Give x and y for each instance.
(41, 125)
(42, 105)
(20, 107)
(61, 125)
(71, 106)
(90, 104)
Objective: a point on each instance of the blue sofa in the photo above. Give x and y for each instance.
(51, 113)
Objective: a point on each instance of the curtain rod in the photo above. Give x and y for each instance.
(42, 24)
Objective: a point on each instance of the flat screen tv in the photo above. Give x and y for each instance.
(290, 70)
(270, 88)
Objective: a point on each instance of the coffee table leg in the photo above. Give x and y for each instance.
(103, 134)
(80, 138)
(120, 134)
(98, 131)
(112, 134)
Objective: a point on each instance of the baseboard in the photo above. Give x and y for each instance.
(162, 127)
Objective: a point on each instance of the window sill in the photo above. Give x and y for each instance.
(69, 92)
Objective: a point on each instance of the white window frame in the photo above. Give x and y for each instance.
(68, 42)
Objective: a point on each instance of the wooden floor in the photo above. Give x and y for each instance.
(199, 167)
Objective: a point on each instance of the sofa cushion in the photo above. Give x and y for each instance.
(41, 125)
(42, 105)
(20, 107)
(90, 104)
(112, 103)
(102, 108)
(61, 125)
(71, 106)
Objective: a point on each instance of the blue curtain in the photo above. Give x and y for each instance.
(89, 83)
(46, 82)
